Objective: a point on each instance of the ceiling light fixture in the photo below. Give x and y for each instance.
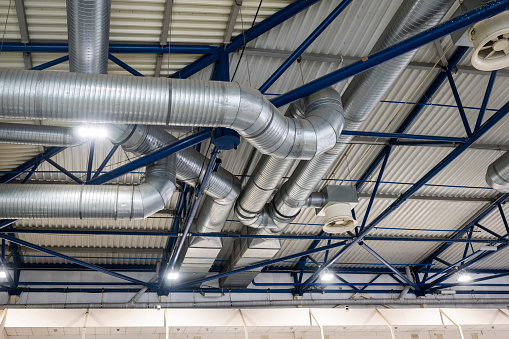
(92, 131)
(3, 275)
(326, 275)
(172, 276)
(464, 277)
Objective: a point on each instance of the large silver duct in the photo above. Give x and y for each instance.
(40, 135)
(88, 27)
(251, 207)
(96, 98)
(497, 175)
(359, 100)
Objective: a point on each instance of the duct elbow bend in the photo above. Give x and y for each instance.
(297, 137)
(158, 188)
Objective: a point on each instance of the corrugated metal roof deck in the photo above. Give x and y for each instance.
(353, 34)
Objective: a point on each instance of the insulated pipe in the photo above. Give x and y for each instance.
(359, 100)
(250, 207)
(116, 99)
(274, 303)
(88, 27)
(40, 135)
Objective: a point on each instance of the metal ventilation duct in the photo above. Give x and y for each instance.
(497, 175)
(76, 97)
(40, 135)
(361, 97)
(359, 100)
(88, 27)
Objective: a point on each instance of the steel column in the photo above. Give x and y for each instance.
(483, 12)
(308, 41)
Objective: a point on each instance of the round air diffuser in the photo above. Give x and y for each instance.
(338, 218)
(491, 43)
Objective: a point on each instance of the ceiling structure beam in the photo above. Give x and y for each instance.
(23, 31)
(347, 60)
(232, 20)
(163, 38)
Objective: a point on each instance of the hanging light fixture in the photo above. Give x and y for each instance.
(326, 275)
(463, 276)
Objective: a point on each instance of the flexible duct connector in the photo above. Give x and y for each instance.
(359, 100)
(88, 26)
(115, 99)
(250, 208)
(497, 175)
(40, 135)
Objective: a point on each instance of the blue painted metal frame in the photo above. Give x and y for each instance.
(105, 161)
(48, 153)
(413, 114)
(51, 47)
(50, 63)
(90, 159)
(152, 157)
(124, 65)
(65, 171)
(412, 190)
(305, 44)
(457, 98)
(73, 260)
(419, 40)
(484, 104)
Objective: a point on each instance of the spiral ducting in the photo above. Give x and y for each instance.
(40, 135)
(497, 175)
(88, 27)
(74, 97)
(359, 100)
(250, 207)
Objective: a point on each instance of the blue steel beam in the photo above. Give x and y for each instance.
(388, 265)
(73, 260)
(152, 157)
(48, 153)
(492, 121)
(90, 159)
(403, 136)
(483, 12)
(413, 114)
(305, 44)
(502, 216)
(457, 98)
(105, 161)
(487, 95)
(245, 37)
(266, 25)
(29, 174)
(459, 233)
(124, 65)
(375, 189)
(259, 265)
(194, 208)
(50, 47)
(50, 63)
(66, 172)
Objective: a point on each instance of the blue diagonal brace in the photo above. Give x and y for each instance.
(485, 100)
(456, 95)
